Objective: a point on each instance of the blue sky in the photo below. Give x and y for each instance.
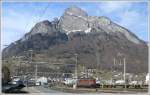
(19, 18)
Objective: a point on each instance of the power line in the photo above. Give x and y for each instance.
(40, 16)
(44, 11)
(29, 21)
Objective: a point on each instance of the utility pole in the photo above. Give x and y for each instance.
(31, 53)
(112, 69)
(97, 58)
(26, 77)
(124, 61)
(76, 72)
(19, 64)
(113, 66)
(122, 57)
(35, 72)
(76, 66)
(30, 61)
(114, 61)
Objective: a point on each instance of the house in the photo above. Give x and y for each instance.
(42, 81)
(147, 79)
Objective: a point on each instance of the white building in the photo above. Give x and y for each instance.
(41, 81)
(147, 78)
(69, 81)
(120, 82)
(133, 82)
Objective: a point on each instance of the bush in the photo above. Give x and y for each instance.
(5, 75)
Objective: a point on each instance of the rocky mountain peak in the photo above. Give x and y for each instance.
(45, 22)
(74, 19)
(43, 27)
(76, 11)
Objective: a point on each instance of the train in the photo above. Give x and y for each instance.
(86, 82)
(92, 83)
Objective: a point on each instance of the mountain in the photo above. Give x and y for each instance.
(96, 40)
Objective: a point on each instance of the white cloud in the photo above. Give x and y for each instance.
(133, 20)
(130, 18)
(23, 20)
(14, 26)
(113, 6)
(126, 14)
(15, 23)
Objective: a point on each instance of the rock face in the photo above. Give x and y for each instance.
(91, 37)
(44, 27)
(74, 19)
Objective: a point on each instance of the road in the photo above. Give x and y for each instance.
(48, 91)
(39, 89)
(45, 90)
